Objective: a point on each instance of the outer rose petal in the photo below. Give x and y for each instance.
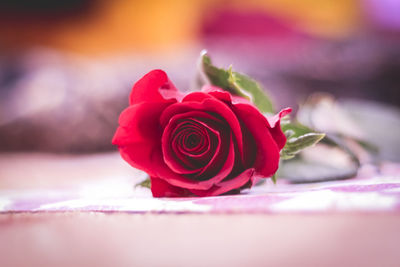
(224, 95)
(140, 123)
(160, 188)
(227, 186)
(160, 169)
(276, 130)
(196, 97)
(150, 160)
(140, 155)
(139, 136)
(149, 88)
(267, 158)
(274, 122)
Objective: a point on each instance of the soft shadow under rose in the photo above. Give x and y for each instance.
(204, 143)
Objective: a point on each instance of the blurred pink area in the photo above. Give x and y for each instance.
(96, 239)
(105, 183)
(75, 61)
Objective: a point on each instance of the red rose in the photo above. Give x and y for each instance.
(201, 144)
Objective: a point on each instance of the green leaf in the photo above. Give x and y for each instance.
(299, 137)
(296, 144)
(295, 128)
(213, 75)
(145, 183)
(236, 83)
(258, 96)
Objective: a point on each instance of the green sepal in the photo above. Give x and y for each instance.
(273, 178)
(145, 183)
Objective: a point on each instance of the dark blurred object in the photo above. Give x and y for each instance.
(51, 101)
(20, 9)
(358, 132)
(369, 129)
(54, 102)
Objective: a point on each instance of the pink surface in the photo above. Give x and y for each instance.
(108, 191)
(343, 223)
(119, 239)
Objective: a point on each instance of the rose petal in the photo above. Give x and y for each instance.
(224, 95)
(221, 163)
(162, 170)
(276, 131)
(226, 168)
(141, 155)
(207, 105)
(173, 160)
(147, 89)
(138, 137)
(180, 162)
(196, 97)
(267, 158)
(197, 152)
(238, 181)
(227, 186)
(205, 151)
(149, 158)
(197, 149)
(139, 123)
(123, 136)
(160, 188)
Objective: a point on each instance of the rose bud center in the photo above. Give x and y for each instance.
(196, 146)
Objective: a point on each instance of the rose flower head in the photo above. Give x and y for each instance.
(204, 143)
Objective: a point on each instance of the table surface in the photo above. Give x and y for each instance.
(61, 210)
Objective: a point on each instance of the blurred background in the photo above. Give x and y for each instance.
(67, 67)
